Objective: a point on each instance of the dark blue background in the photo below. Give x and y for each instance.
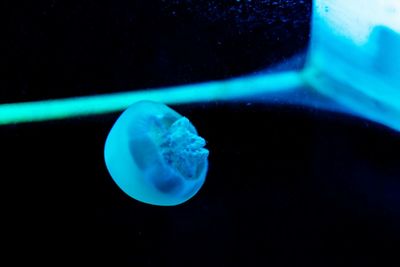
(287, 186)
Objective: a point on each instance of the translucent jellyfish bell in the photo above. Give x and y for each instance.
(155, 155)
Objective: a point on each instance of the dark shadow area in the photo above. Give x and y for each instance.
(56, 49)
(286, 187)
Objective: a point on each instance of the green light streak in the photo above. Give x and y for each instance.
(101, 104)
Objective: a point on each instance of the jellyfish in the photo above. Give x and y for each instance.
(155, 155)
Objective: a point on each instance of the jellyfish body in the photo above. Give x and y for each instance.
(155, 155)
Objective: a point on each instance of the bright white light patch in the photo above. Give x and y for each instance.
(356, 19)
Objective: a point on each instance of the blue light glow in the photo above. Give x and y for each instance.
(354, 57)
(233, 89)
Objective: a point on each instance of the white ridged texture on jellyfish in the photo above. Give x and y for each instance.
(155, 155)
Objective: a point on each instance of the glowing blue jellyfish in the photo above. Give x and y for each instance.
(155, 155)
